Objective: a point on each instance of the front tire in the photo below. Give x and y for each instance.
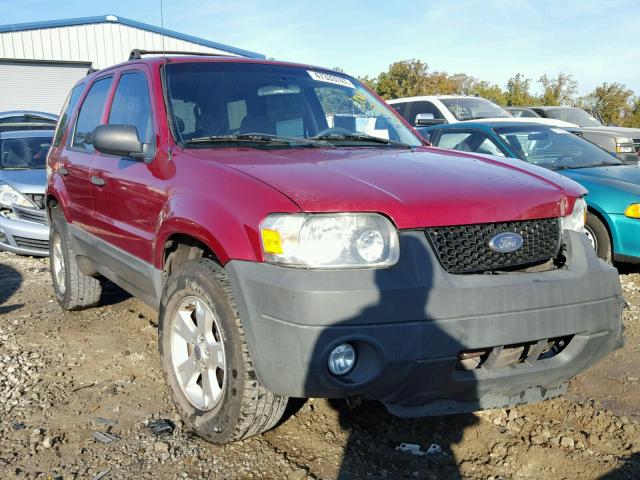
(205, 358)
(599, 237)
(73, 289)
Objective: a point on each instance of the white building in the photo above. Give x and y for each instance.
(40, 62)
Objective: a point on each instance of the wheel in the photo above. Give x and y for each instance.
(205, 358)
(73, 289)
(598, 235)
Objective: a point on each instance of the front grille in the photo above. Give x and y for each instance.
(636, 143)
(465, 248)
(30, 214)
(32, 243)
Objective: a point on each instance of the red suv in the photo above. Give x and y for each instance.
(299, 240)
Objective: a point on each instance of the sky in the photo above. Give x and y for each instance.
(593, 40)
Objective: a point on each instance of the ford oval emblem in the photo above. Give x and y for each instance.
(506, 242)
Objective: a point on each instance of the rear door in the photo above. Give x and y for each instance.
(128, 196)
(75, 162)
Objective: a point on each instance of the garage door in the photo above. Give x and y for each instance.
(37, 86)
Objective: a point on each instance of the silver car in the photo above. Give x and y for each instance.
(23, 222)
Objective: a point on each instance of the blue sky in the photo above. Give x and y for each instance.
(595, 41)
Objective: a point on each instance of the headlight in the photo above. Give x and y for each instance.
(576, 220)
(341, 240)
(625, 145)
(10, 196)
(633, 211)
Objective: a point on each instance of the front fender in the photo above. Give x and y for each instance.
(228, 226)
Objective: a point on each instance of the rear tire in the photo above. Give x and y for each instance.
(205, 358)
(73, 289)
(599, 237)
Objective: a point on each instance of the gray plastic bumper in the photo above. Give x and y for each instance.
(24, 237)
(410, 322)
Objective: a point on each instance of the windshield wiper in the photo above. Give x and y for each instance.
(256, 138)
(360, 137)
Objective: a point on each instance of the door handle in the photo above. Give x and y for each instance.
(63, 171)
(99, 181)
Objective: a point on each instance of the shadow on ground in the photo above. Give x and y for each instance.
(628, 471)
(111, 293)
(10, 282)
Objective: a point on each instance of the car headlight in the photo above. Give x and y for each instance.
(577, 218)
(340, 240)
(10, 196)
(625, 145)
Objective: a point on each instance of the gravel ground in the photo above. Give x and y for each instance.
(80, 392)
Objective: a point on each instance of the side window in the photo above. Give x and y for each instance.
(423, 107)
(403, 110)
(67, 112)
(132, 106)
(475, 142)
(90, 113)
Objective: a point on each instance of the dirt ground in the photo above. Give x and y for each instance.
(65, 377)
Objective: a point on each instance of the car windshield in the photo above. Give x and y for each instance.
(554, 148)
(574, 115)
(473, 108)
(24, 153)
(259, 105)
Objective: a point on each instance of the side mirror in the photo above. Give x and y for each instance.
(119, 140)
(427, 119)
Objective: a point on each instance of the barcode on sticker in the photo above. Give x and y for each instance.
(328, 78)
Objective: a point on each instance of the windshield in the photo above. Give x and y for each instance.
(554, 148)
(24, 153)
(473, 108)
(574, 115)
(214, 104)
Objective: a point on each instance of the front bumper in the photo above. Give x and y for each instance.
(626, 238)
(24, 237)
(409, 324)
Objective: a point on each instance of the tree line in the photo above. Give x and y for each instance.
(615, 103)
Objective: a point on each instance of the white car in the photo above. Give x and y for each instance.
(437, 109)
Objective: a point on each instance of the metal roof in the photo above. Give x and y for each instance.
(17, 27)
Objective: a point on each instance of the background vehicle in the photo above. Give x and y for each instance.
(300, 241)
(27, 120)
(25, 138)
(613, 220)
(624, 142)
(521, 112)
(440, 109)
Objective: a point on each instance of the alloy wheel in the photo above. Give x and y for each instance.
(197, 353)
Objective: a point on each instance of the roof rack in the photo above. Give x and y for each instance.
(137, 54)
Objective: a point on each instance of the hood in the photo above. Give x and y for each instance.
(26, 181)
(550, 122)
(618, 131)
(625, 178)
(415, 188)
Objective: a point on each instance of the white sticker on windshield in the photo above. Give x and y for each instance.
(558, 130)
(328, 78)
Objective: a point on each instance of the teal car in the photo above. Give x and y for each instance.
(613, 218)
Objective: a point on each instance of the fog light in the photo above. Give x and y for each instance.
(342, 359)
(3, 237)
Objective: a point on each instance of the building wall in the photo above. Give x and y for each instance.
(101, 44)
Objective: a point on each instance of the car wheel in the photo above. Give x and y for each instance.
(73, 289)
(598, 235)
(205, 358)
